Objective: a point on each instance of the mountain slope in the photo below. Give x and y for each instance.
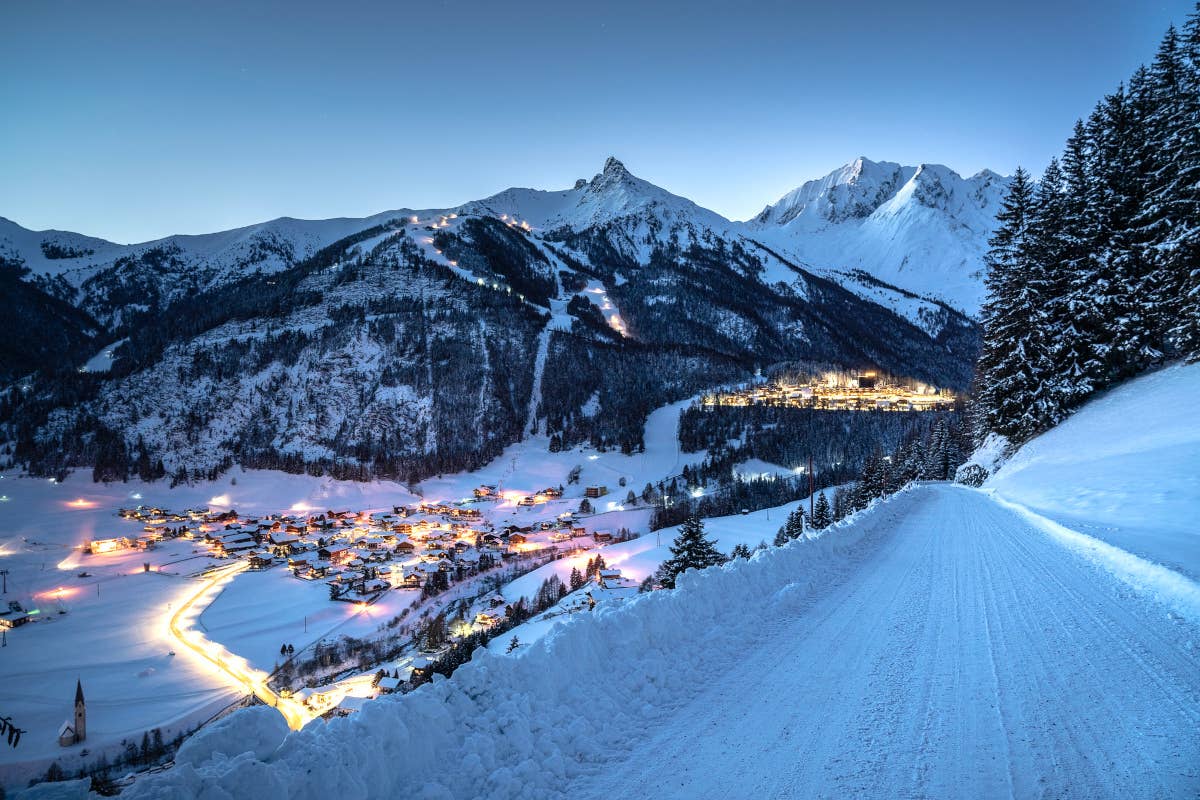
(110, 281)
(426, 342)
(43, 333)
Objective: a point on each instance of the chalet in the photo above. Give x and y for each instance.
(404, 546)
(374, 586)
(526, 501)
(261, 561)
(389, 685)
(602, 537)
(14, 617)
(469, 558)
(551, 493)
(517, 538)
(279, 538)
(421, 670)
(485, 491)
(100, 546)
(578, 531)
(336, 554)
(413, 580)
(608, 574)
(595, 491)
(486, 619)
(348, 705)
(235, 542)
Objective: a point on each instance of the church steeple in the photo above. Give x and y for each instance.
(80, 713)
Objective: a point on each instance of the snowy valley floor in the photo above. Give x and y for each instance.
(939, 646)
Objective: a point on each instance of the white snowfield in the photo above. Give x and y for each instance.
(1125, 468)
(939, 645)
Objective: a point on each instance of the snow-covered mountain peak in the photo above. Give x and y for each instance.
(612, 194)
(614, 168)
(923, 228)
(852, 191)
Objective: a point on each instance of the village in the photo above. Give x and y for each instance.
(838, 392)
(359, 555)
(314, 597)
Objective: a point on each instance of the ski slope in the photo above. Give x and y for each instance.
(937, 646)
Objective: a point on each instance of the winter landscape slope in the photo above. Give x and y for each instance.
(1125, 468)
(426, 342)
(922, 229)
(938, 644)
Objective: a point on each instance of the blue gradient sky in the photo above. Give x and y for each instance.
(133, 120)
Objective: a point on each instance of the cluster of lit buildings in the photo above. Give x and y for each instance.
(866, 392)
(359, 554)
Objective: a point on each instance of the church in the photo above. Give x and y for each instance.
(74, 733)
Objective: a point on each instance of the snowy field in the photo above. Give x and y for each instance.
(1124, 469)
(114, 635)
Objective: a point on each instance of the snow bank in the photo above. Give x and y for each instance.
(1166, 587)
(258, 730)
(1124, 469)
(522, 727)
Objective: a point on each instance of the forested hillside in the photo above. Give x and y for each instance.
(417, 345)
(1095, 269)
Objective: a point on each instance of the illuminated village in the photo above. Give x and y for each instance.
(440, 561)
(868, 391)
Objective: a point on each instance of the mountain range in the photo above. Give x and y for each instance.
(416, 341)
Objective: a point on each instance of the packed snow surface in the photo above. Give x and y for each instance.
(939, 645)
(1125, 468)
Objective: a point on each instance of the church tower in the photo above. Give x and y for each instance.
(80, 713)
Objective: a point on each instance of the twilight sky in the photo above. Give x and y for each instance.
(134, 120)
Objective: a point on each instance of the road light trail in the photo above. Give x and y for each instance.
(296, 715)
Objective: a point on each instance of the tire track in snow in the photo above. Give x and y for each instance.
(969, 656)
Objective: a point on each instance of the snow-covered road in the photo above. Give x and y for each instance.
(967, 655)
(937, 645)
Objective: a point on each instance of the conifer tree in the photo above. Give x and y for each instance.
(781, 536)
(1006, 364)
(821, 517)
(690, 550)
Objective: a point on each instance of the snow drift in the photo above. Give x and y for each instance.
(1125, 469)
(524, 726)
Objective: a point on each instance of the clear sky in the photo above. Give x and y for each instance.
(134, 120)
